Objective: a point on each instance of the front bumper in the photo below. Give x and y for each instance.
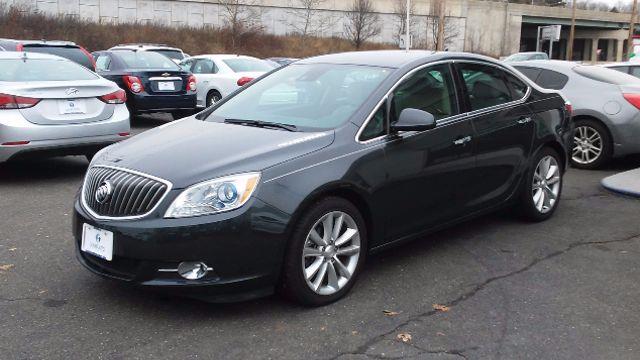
(146, 103)
(244, 247)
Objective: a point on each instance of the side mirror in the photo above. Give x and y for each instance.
(414, 120)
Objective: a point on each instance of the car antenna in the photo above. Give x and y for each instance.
(24, 56)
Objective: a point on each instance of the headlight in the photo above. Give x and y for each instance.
(214, 196)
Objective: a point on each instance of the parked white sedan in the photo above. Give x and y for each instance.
(219, 75)
(51, 105)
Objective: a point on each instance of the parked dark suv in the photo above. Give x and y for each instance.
(290, 182)
(65, 49)
(153, 82)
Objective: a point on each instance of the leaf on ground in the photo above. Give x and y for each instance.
(6, 267)
(404, 337)
(390, 313)
(439, 307)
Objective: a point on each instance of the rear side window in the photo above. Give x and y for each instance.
(486, 85)
(17, 70)
(146, 60)
(605, 75)
(247, 65)
(103, 62)
(635, 71)
(171, 54)
(531, 73)
(549, 79)
(622, 69)
(72, 53)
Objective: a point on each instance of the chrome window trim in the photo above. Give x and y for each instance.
(101, 217)
(453, 118)
(158, 78)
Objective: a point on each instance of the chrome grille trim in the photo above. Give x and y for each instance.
(151, 191)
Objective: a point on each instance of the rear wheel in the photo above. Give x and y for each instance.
(592, 146)
(325, 254)
(543, 186)
(213, 97)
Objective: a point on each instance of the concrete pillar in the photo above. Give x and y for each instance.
(585, 50)
(594, 50)
(619, 45)
(610, 50)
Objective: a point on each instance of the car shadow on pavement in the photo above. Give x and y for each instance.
(36, 170)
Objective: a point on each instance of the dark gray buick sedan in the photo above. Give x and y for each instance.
(290, 182)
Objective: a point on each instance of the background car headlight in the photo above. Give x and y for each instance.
(214, 196)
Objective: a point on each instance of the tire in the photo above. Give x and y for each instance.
(583, 152)
(213, 97)
(294, 283)
(532, 191)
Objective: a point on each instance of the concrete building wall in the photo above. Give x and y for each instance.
(488, 27)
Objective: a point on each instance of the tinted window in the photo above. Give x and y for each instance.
(204, 66)
(68, 52)
(376, 126)
(103, 62)
(519, 87)
(623, 69)
(245, 65)
(531, 73)
(171, 54)
(549, 79)
(430, 89)
(605, 75)
(186, 65)
(146, 60)
(635, 71)
(486, 86)
(43, 70)
(314, 96)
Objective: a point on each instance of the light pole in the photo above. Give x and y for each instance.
(408, 36)
(632, 25)
(572, 33)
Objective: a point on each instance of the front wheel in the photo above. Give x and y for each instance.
(592, 145)
(326, 252)
(543, 186)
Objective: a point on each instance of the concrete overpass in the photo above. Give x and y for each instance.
(488, 27)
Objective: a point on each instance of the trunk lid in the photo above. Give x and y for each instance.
(163, 82)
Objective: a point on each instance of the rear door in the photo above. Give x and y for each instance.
(205, 71)
(495, 100)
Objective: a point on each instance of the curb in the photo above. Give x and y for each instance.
(625, 183)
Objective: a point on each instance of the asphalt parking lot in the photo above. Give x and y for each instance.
(568, 288)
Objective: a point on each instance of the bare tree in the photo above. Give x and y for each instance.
(305, 18)
(241, 18)
(362, 23)
(400, 13)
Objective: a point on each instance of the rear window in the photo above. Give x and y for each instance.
(247, 65)
(549, 79)
(72, 53)
(171, 54)
(605, 75)
(146, 60)
(17, 70)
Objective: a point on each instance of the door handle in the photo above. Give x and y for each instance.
(524, 120)
(462, 141)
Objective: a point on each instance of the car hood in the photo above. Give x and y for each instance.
(189, 151)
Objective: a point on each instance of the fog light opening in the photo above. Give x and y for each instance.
(193, 270)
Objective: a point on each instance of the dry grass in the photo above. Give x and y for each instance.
(20, 24)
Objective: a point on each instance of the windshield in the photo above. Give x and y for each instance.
(171, 54)
(43, 70)
(315, 96)
(146, 60)
(247, 65)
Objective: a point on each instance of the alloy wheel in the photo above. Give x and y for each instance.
(546, 184)
(587, 145)
(330, 254)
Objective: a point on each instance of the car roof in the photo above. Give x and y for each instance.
(546, 64)
(222, 56)
(142, 46)
(42, 42)
(4, 55)
(392, 58)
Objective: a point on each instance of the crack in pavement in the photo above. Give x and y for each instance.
(361, 350)
(19, 299)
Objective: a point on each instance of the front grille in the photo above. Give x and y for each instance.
(129, 195)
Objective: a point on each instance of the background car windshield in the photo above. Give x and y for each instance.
(43, 70)
(171, 54)
(246, 65)
(147, 60)
(609, 76)
(72, 53)
(316, 96)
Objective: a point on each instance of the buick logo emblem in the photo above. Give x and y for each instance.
(103, 193)
(72, 91)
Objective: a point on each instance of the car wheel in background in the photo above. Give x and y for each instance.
(325, 253)
(592, 145)
(213, 97)
(542, 186)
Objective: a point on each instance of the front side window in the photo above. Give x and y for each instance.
(19, 70)
(486, 85)
(519, 87)
(146, 60)
(103, 62)
(430, 89)
(308, 96)
(377, 126)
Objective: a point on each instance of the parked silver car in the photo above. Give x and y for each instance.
(605, 108)
(50, 105)
(628, 67)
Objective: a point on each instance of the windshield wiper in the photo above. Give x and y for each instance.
(261, 124)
